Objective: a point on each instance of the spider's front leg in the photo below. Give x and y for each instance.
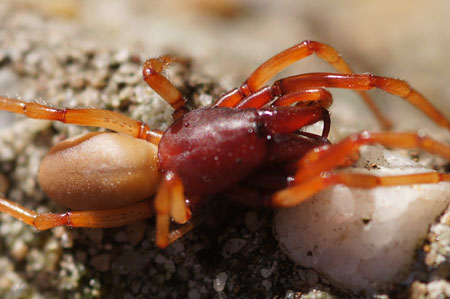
(316, 173)
(282, 60)
(361, 82)
(304, 98)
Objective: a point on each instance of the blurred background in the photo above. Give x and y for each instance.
(227, 39)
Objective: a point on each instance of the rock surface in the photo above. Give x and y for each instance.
(364, 240)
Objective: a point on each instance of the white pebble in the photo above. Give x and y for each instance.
(220, 281)
(363, 238)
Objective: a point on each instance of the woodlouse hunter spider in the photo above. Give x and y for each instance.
(249, 139)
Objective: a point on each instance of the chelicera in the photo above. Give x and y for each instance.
(249, 140)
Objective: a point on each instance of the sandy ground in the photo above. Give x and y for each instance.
(86, 53)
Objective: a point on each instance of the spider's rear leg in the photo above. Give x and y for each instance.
(83, 117)
(170, 203)
(152, 70)
(91, 219)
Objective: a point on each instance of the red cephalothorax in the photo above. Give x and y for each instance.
(212, 149)
(250, 139)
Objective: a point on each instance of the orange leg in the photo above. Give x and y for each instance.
(91, 219)
(187, 227)
(298, 193)
(315, 168)
(169, 203)
(282, 60)
(306, 98)
(152, 75)
(84, 117)
(361, 82)
(332, 156)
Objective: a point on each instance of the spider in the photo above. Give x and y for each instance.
(250, 139)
